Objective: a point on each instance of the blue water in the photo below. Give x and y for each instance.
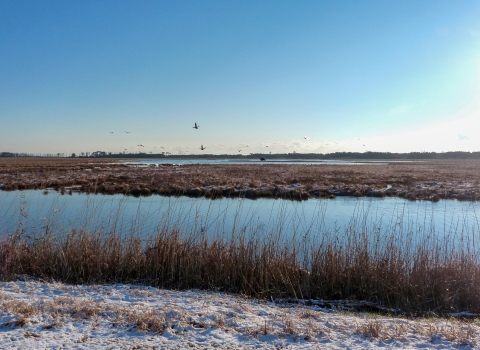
(172, 160)
(37, 213)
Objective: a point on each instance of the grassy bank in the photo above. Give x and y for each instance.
(368, 264)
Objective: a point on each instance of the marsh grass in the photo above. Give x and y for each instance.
(406, 267)
(415, 279)
(433, 180)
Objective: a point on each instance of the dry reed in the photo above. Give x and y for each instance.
(415, 278)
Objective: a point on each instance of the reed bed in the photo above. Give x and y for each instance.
(433, 180)
(406, 270)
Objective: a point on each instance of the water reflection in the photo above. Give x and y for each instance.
(250, 161)
(35, 213)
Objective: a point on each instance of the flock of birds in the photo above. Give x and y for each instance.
(128, 132)
(196, 127)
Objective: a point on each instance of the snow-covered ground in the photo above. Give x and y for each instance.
(39, 315)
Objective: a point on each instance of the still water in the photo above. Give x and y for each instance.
(36, 213)
(172, 160)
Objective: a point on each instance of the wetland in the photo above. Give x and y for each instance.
(369, 231)
(425, 180)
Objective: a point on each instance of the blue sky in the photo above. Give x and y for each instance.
(394, 76)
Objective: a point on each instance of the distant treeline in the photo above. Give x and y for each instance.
(321, 156)
(38, 155)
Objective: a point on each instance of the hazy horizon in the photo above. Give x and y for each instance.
(305, 77)
(269, 155)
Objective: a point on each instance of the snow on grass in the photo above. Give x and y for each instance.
(35, 314)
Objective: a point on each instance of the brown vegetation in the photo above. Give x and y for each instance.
(431, 180)
(368, 264)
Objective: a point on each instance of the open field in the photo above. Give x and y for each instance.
(430, 180)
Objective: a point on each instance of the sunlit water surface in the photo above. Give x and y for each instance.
(172, 160)
(37, 213)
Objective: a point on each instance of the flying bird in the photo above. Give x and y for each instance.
(202, 148)
(196, 126)
(128, 132)
(111, 132)
(305, 137)
(140, 145)
(239, 150)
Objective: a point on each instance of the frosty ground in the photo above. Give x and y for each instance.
(41, 315)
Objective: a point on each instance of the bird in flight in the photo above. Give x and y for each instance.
(111, 132)
(196, 126)
(305, 137)
(128, 132)
(239, 150)
(266, 146)
(202, 148)
(140, 145)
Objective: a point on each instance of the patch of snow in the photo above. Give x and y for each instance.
(36, 314)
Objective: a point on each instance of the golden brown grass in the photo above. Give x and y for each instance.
(443, 179)
(412, 277)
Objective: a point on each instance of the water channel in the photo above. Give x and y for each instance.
(36, 212)
(172, 160)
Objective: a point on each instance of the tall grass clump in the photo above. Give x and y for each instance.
(413, 278)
